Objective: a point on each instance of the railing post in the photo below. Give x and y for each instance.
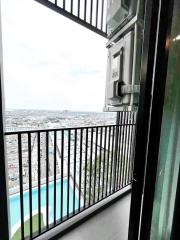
(4, 216)
(115, 150)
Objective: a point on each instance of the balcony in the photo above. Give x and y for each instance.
(111, 223)
(64, 175)
(59, 178)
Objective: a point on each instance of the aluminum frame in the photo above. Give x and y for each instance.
(155, 55)
(4, 203)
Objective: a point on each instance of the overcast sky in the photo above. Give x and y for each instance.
(50, 62)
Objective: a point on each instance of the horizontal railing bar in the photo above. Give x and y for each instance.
(65, 129)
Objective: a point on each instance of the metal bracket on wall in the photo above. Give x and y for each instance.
(128, 89)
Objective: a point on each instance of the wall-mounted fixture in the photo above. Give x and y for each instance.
(124, 24)
(119, 12)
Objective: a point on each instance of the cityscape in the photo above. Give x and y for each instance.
(26, 120)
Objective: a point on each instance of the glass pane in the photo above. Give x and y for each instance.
(169, 152)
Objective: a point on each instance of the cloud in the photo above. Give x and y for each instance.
(50, 62)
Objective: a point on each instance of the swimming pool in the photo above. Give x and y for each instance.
(15, 202)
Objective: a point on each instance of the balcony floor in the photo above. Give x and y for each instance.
(110, 224)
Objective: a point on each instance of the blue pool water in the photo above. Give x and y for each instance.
(15, 202)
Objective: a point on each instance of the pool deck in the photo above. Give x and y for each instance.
(110, 224)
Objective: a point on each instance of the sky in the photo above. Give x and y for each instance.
(50, 62)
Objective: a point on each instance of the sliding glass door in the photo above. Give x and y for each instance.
(169, 149)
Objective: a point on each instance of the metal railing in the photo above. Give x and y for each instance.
(62, 172)
(89, 13)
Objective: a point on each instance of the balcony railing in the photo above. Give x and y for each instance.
(62, 172)
(89, 13)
